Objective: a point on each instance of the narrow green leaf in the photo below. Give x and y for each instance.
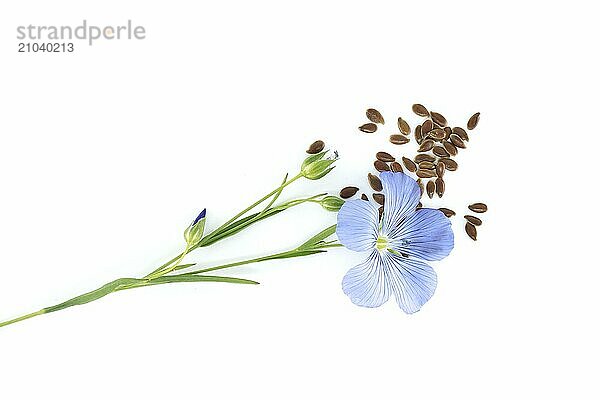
(183, 266)
(294, 253)
(324, 234)
(94, 294)
(199, 278)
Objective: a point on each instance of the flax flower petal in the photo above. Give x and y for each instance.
(425, 234)
(366, 283)
(402, 194)
(357, 223)
(412, 281)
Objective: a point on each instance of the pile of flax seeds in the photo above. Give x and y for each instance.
(438, 143)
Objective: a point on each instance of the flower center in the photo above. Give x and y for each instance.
(382, 243)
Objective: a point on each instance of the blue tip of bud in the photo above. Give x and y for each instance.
(199, 217)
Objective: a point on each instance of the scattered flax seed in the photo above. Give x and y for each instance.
(437, 134)
(461, 133)
(471, 230)
(450, 164)
(385, 157)
(403, 126)
(447, 132)
(440, 187)
(380, 212)
(316, 147)
(440, 168)
(457, 141)
(424, 157)
(420, 183)
(426, 165)
(430, 188)
(368, 128)
(348, 192)
(438, 118)
(473, 219)
(418, 134)
(396, 167)
(450, 148)
(399, 139)
(420, 110)
(426, 127)
(409, 164)
(381, 166)
(473, 121)
(375, 116)
(375, 183)
(440, 151)
(364, 197)
(426, 173)
(478, 207)
(379, 198)
(426, 146)
(447, 212)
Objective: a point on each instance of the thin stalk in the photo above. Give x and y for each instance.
(314, 245)
(243, 262)
(256, 203)
(165, 265)
(223, 227)
(23, 317)
(170, 268)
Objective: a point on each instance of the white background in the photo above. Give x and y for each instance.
(107, 153)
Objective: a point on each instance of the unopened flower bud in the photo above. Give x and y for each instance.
(194, 232)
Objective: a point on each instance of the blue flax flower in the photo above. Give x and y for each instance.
(397, 246)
